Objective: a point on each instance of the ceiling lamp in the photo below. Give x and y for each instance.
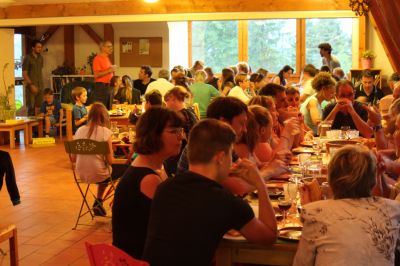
(360, 7)
(151, 1)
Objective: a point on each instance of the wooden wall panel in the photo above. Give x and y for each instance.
(167, 7)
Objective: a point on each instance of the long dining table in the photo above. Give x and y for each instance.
(230, 252)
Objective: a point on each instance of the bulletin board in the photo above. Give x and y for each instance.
(138, 51)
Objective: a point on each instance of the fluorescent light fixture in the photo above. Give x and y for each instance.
(151, 1)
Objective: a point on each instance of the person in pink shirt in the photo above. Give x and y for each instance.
(103, 71)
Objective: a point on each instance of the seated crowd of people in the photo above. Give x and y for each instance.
(181, 193)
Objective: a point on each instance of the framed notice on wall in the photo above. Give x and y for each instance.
(138, 51)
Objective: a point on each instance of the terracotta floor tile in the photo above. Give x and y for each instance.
(50, 204)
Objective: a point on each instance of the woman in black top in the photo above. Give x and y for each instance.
(159, 135)
(127, 93)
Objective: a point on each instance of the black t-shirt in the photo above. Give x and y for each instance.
(213, 82)
(375, 95)
(131, 211)
(189, 216)
(137, 84)
(343, 119)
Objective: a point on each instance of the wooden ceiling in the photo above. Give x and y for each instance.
(22, 9)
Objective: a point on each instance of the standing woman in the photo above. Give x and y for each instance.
(283, 76)
(324, 85)
(159, 136)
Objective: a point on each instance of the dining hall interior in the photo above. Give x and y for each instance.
(51, 213)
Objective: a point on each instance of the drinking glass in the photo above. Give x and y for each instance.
(345, 131)
(323, 127)
(284, 205)
(317, 146)
(292, 189)
(303, 159)
(114, 129)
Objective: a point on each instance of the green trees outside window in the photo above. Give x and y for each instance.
(337, 32)
(215, 43)
(272, 44)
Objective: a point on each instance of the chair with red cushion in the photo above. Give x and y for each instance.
(105, 254)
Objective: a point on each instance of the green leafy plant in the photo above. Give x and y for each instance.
(368, 54)
(4, 99)
(90, 59)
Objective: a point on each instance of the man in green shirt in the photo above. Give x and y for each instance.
(32, 73)
(202, 92)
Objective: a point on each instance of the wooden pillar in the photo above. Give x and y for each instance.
(69, 51)
(109, 36)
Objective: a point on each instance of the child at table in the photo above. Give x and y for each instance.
(79, 112)
(50, 109)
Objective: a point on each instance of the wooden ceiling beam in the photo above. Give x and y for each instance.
(47, 35)
(129, 7)
(92, 34)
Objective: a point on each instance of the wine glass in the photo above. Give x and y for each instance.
(284, 205)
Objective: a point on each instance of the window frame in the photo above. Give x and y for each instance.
(358, 37)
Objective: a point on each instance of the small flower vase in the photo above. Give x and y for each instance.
(366, 63)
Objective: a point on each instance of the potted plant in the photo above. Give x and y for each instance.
(90, 59)
(7, 111)
(367, 58)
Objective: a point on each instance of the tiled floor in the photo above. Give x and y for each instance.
(50, 203)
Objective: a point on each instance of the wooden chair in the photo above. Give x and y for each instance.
(10, 233)
(104, 254)
(62, 122)
(87, 147)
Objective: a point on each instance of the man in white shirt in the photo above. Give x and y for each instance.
(328, 59)
(161, 84)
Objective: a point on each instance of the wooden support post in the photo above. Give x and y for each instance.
(109, 36)
(69, 50)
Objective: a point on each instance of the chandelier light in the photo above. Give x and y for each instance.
(360, 7)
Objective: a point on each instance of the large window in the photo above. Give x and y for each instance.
(19, 94)
(272, 44)
(215, 43)
(337, 32)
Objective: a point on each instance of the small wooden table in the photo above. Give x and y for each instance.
(230, 252)
(33, 122)
(11, 128)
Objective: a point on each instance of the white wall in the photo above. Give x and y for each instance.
(7, 56)
(141, 29)
(381, 61)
